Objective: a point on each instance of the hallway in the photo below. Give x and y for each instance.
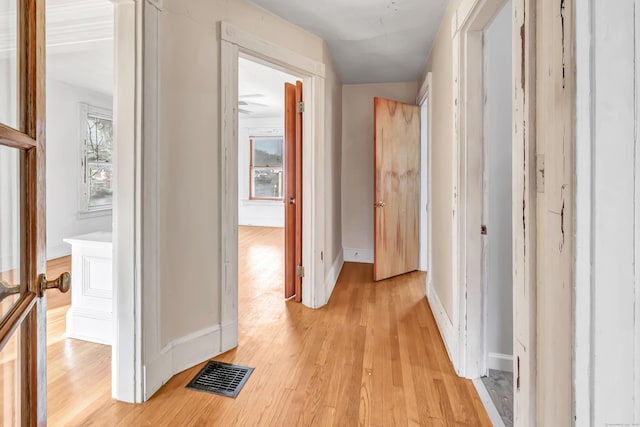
(372, 356)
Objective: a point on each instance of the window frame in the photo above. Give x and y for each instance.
(252, 167)
(84, 208)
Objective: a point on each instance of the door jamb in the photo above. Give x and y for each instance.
(126, 370)
(235, 42)
(469, 21)
(472, 18)
(425, 99)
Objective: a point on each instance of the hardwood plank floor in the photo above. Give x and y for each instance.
(373, 356)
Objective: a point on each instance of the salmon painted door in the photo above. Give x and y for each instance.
(293, 191)
(396, 188)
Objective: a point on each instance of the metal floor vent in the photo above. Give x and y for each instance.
(221, 378)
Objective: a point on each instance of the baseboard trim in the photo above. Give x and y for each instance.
(332, 277)
(89, 325)
(180, 354)
(500, 362)
(358, 255)
(488, 404)
(445, 326)
(228, 336)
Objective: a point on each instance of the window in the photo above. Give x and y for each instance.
(96, 162)
(267, 156)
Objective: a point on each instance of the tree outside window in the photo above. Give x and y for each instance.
(97, 159)
(267, 174)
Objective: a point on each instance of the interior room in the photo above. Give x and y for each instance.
(80, 194)
(261, 187)
(498, 199)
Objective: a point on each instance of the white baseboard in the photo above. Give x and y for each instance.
(58, 251)
(228, 336)
(332, 276)
(500, 362)
(358, 255)
(90, 325)
(180, 354)
(492, 411)
(447, 331)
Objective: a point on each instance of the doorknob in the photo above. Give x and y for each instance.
(292, 201)
(62, 283)
(379, 204)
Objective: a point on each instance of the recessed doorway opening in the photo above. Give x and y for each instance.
(263, 187)
(497, 213)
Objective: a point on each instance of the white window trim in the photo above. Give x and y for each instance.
(84, 211)
(253, 198)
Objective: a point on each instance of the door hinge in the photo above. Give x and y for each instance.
(300, 107)
(540, 173)
(483, 230)
(300, 271)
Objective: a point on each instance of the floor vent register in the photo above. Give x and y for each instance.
(221, 378)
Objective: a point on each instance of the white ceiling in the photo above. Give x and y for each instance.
(80, 43)
(371, 41)
(261, 90)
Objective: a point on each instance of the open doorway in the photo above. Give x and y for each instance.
(497, 213)
(263, 170)
(80, 194)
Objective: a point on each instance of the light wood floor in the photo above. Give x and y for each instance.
(372, 356)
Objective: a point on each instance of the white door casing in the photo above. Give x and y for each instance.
(235, 42)
(425, 101)
(606, 377)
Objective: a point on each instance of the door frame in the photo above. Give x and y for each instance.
(126, 363)
(425, 100)
(466, 344)
(136, 233)
(235, 43)
(470, 311)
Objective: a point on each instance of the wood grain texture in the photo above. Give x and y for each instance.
(397, 184)
(555, 132)
(289, 189)
(293, 190)
(32, 121)
(525, 198)
(373, 356)
(298, 175)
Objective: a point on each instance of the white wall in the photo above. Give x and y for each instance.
(607, 291)
(63, 166)
(190, 156)
(357, 162)
(440, 64)
(9, 175)
(262, 213)
(498, 121)
(8, 88)
(9, 209)
(333, 256)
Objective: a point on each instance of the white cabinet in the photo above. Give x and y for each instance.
(90, 315)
